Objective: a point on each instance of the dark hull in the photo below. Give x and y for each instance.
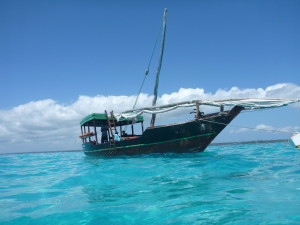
(187, 137)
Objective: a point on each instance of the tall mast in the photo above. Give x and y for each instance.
(159, 66)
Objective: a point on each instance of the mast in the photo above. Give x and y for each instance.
(159, 66)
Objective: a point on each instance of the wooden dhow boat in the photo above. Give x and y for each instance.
(100, 136)
(185, 137)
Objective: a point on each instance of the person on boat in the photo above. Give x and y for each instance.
(117, 137)
(124, 134)
(104, 131)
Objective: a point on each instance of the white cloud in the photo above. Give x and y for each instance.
(291, 91)
(55, 125)
(267, 128)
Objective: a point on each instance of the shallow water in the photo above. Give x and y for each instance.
(229, 184)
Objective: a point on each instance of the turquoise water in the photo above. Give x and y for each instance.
(229, 184)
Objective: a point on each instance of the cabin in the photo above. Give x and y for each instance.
(100, 128)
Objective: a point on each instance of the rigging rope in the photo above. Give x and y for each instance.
(250, 128)
(147, 71)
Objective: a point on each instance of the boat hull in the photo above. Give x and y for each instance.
(187, 137)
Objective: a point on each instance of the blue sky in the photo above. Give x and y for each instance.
(60, 50)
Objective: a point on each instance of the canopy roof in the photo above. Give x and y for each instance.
(100, 119)
(246, 103)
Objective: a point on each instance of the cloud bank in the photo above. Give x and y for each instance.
(268, 128)
(50, 125)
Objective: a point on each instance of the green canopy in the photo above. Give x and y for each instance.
(100, 119)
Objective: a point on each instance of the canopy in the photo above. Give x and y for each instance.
(246, 103)
(100, 119)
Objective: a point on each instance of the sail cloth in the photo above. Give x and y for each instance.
(246, 103)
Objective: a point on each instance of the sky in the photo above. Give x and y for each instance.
(61, 60)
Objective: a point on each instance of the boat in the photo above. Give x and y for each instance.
(105, 134)
(296, 139)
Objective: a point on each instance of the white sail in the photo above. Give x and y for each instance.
(296, 139)
(246, 103)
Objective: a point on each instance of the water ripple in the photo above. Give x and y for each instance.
(230, 184)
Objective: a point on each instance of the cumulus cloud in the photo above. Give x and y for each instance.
(291, 91)
(267, 128)
(56, 125)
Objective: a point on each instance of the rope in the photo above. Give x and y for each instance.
(147, 71)
(250, 128)
(137, 97)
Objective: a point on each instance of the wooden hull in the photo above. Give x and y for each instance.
(187, 137)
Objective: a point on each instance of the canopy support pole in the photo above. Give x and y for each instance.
(85, 133)
(197, 110)
(89, 132)
(82, 134)
(95, 131)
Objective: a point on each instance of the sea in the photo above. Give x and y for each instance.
(226, 184)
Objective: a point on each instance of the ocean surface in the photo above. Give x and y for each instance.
(226, 184)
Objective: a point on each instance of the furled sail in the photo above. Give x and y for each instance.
(246, 103)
